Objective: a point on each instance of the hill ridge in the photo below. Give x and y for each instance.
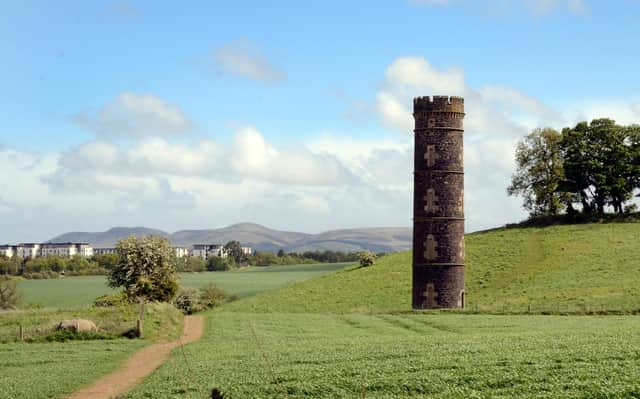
(262, 238)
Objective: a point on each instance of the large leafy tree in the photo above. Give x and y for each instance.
(145, 269)
(539, 173)
(234, 250)
(600, 164)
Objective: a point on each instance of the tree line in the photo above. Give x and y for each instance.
(581, 170)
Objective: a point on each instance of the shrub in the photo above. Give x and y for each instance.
(212, 296)
(66, 335)
(187, 301)
(218, 264)
(190, 301)
(10, 297)
(366, 258)
(119, 299)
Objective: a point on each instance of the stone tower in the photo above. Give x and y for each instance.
(438, 203)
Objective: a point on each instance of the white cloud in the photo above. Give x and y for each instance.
(241, 58)
(545, 7)
(254, 158)
(535, 7)
(136, 115)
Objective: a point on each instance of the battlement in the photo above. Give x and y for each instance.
(438, 104)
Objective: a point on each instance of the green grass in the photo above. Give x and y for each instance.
(333, 336)
(75, 291)
(575, 269)
(42, 369)
(49, 370)
(406, 356)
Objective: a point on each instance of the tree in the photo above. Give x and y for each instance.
(539, 173)
(281, 253)
(601, 164)
(234, 251)
(366, 258)
(218, 264)
(10, 297)
(145, 269)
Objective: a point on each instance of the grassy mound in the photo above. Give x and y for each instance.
(573, 268)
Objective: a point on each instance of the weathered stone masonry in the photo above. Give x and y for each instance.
(438, 203)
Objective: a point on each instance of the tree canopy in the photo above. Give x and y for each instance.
(591, 165)
(145, 268)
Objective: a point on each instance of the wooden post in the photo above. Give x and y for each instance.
(139, 328)
(529, 308)
(21, 333)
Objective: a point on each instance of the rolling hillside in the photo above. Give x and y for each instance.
(575, 268)
(262, 238)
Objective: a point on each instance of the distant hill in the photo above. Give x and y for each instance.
(107, 238)
(589, 268)
(261, 238)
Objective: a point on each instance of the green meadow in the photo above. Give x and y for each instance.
(75, 291)
(351, 334)
(41, 369)
(552, 313)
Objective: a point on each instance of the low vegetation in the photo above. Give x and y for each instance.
(191, 300)
(560, 269)
(78, 291)
(10, 296)
(352, 334)
(55, 363)
(405, 356)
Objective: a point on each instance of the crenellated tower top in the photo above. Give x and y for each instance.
(438, 104)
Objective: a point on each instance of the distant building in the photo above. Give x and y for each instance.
(206, 251)
(27, 250)
(247, 251)
(7, 250)
(104, 251)
(181, 252)
(66, 249)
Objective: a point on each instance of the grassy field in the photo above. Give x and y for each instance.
(74, 291)
(340, 334)
(406, 356)
(42, 369)
(51, 369)
(576, 269)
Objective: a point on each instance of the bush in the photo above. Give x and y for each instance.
(187, 301)
(119, 299)
(65, 335)
(366, 258)
(10, 296)
(191, 301)
(212, 296)
(218, 264)
(191, 264)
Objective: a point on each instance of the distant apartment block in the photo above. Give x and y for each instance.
(29, 250)
(206, 251)
(66, 249)
(181, 252)
(104, 251)
(69, 249)
(7, 250)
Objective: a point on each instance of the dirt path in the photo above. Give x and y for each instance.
(140, 365)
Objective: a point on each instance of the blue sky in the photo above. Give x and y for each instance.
(289, 114)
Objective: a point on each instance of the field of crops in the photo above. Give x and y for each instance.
(406, 356)
(73, 291)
